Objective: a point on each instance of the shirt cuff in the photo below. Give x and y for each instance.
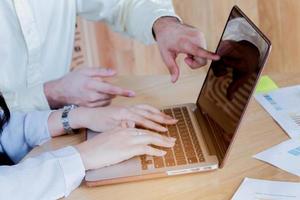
(72, 167)
(36, 128)
(27, 99)
(151, 20)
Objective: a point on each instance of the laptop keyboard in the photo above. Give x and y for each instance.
(186, 150)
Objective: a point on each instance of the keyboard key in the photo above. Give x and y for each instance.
(144, 162)
(186, 150)
(158, 162)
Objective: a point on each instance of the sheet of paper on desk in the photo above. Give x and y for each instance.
(285, 156)
(284, 106)
(254, 189)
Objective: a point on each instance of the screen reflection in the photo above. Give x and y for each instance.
(231, 80)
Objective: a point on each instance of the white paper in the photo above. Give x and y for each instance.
(253, 189)
(285, 156)
(284, 106)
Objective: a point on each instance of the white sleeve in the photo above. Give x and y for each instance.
(23, 132)
(134, 18)
(51, 175)
(27, 99)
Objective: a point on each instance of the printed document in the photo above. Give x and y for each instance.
(285, 156)
(254, 189)
(283, 105)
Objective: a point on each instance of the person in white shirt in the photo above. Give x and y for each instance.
(37, 37)
(55, 174)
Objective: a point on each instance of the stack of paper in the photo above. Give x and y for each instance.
(283, 106)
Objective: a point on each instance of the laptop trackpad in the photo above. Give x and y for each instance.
(127, 168)
(131, 167)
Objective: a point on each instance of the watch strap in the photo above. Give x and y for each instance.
(65, 119)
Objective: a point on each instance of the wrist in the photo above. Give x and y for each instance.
(162, 23)
(77, 118)
(52, 93)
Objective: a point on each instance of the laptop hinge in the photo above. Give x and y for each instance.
(208, 135)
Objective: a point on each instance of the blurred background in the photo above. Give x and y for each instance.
(97, 45)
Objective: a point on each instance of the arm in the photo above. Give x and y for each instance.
(134, 18)
(56, 174)
(27, 99)
(51, 175)
(149, 19)
(25, 131)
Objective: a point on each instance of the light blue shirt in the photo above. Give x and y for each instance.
(51, 175)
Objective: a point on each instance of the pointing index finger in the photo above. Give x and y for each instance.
(107, 88)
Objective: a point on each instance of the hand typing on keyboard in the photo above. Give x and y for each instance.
(186, 150)
(106, 118)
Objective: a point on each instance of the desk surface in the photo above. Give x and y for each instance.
(257, 133)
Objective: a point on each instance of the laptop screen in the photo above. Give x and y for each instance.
(231, 80)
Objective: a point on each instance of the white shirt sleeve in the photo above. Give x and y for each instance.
(51, 175)
(134, 18)
(25, 131)
(27, 99)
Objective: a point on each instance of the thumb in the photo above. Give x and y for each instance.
(170, 61)
(99, 72)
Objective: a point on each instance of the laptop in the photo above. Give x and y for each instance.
(206, 128)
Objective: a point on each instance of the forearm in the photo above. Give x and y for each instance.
(26, 99)
(134, 18)
(53, 94)
(52, 175)
(24, 131)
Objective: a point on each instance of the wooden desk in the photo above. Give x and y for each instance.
(258, 132)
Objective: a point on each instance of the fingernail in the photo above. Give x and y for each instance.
(172, 139)
(131, 94)
(169, 117)
(162, 153)
(173, 79)
(164, 129)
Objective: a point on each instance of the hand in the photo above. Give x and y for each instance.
(242, 57)
(107, 118)
(120, 144)
(84, 87)
(174, 38)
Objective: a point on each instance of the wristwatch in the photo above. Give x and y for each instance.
(65, 119)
